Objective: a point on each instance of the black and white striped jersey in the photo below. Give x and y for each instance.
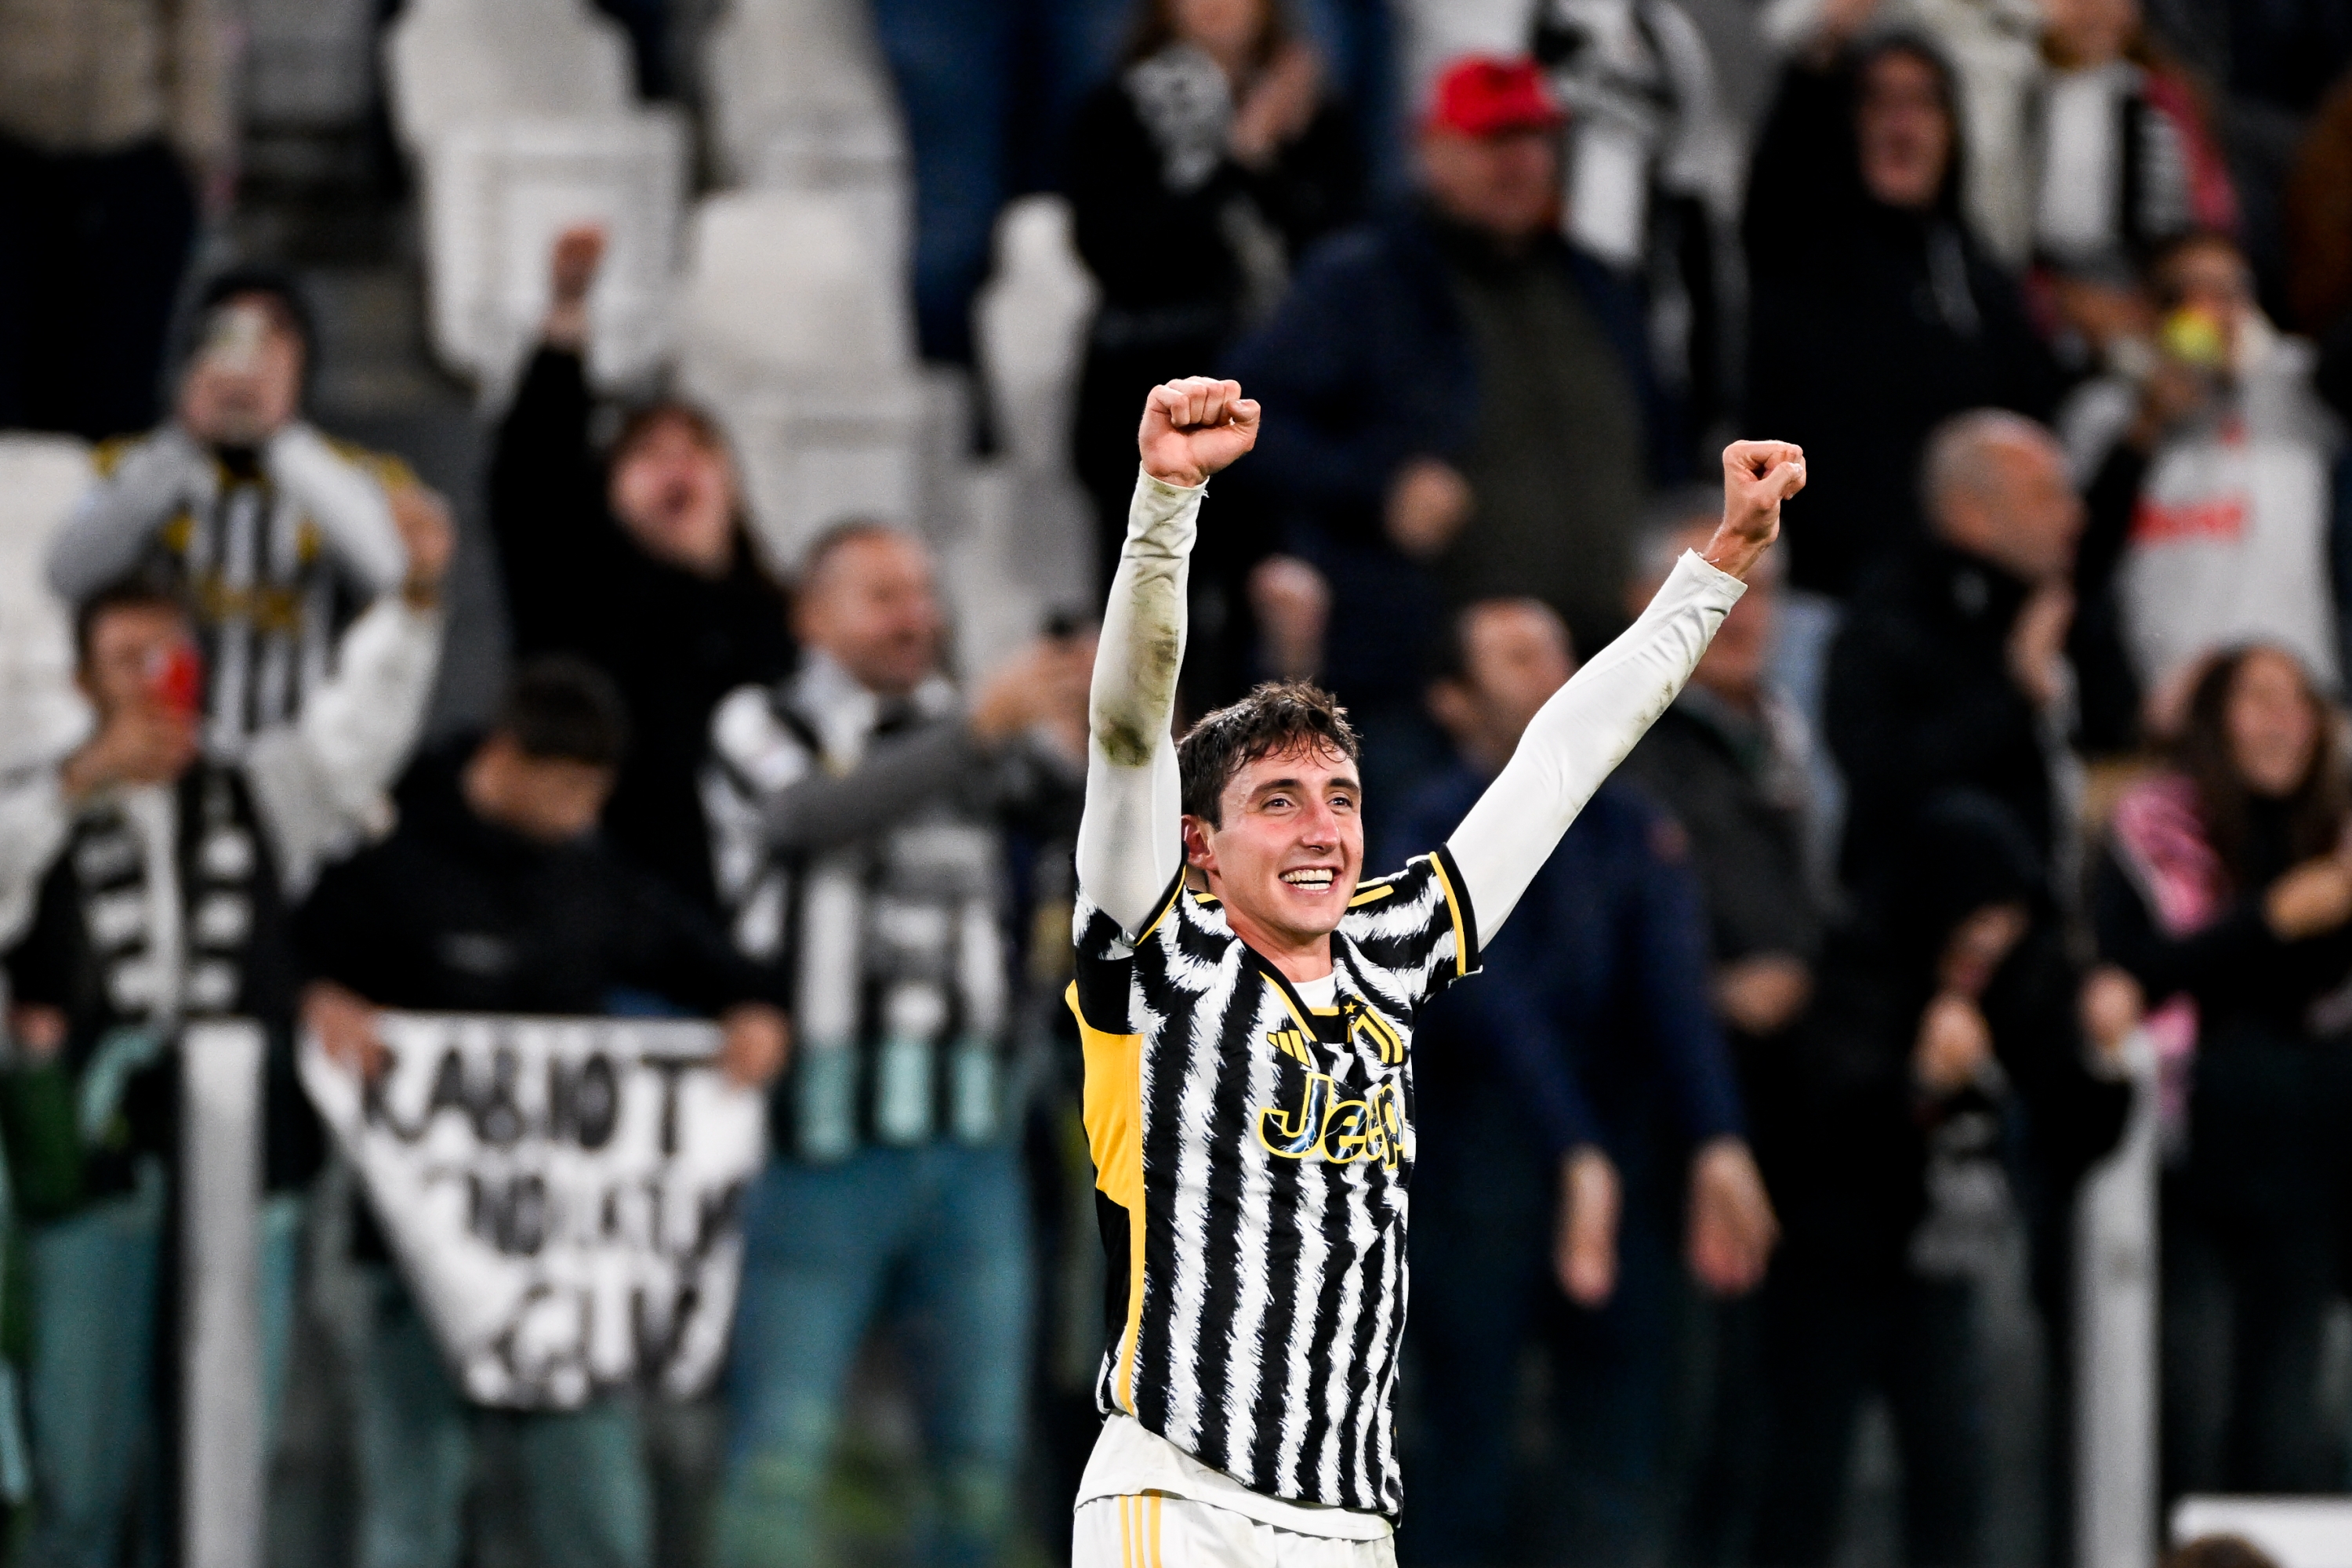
(1251, 1156)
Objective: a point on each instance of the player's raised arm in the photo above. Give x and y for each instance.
(1129, 842)
(1584, 731)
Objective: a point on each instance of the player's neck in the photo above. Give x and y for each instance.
(1298, 956)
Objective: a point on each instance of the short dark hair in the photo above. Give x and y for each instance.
(139, 592)
(1450, 658)
(1278, 718)
(641, 420)
(560, 708)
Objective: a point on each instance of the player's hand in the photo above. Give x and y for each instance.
(756, 1044)
(1584, 1250)
(1193, 428)
(1732, 1228)
(343, 1022)
(571, 272)
(1758, 476)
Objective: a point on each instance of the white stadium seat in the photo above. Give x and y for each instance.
(452, 62)
(498, 192)
(792, 324)
(41, 477)
(2297, 1531)
(520, 119)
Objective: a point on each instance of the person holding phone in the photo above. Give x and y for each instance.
(145, 882)
(272, 536)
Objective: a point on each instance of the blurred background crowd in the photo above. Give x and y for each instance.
(514, 506)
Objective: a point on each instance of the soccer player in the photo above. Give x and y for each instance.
(1246, 1006)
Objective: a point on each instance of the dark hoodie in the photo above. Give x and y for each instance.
(675, 643)
(1868, 324)
(453, 913)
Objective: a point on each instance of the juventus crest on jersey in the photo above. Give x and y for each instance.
(1251, 1156)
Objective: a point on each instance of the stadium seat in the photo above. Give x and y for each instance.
(496, 195)
(41, 477)
(453, 62)
(792, 324)
(308, 64)
(2297, 1531)
(799, 102)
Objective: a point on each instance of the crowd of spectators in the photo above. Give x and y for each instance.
(2020, 767)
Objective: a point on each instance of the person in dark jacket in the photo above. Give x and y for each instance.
(1943, 1026)
(2226, 891)
(1458, 408)
(1565, 1108)
(1950, 668)
(1876, 312)
(639, 563)
(1733, 763)
(1196, 176)
(494, 896)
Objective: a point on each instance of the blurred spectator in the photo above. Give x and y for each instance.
(2211, 483)
(1455, 406)
(1564, 1092)
(115, 120)
(1728, 760)
(1875, 311)
(2226, 891)
(1992, 58)
(144, 885)
(1196, 175)
(1934, 1011)
(493, 895)
(859, 813)
(273, 534)
(1948, 709)
(1732, 763)
(1653, 179)
(2125, 160)
(1950, 672)
(638, 560)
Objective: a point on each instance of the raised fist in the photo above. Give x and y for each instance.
(1758, 476)
(1193, 428)
(571, 272)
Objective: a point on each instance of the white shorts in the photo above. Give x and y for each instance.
(1154, 1530)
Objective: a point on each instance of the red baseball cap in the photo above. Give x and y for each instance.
(1483, 95)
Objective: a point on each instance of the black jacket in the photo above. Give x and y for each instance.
(1370, 363)
(1868, 324)
(451, 913)
(674, 643)
(1920, 704)
(1749, 847)
(2270, 1093)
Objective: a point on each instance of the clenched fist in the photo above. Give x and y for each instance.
(1193, 428)
(1758, 476)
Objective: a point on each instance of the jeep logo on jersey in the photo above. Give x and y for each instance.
(1340, 1131)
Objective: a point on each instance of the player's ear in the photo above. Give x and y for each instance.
(1197, 853)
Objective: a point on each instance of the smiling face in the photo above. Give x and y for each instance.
(1286, 849)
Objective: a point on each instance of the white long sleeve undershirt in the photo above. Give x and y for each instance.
(1129, 840)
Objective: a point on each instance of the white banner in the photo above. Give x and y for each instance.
(562, 1194)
